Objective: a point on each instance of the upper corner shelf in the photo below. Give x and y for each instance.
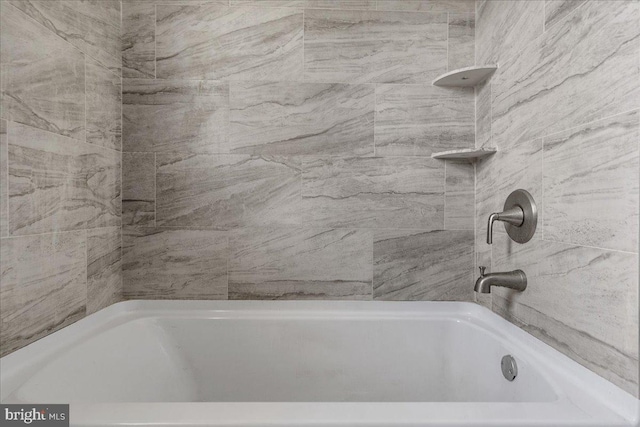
(465, 77)
(471, 154)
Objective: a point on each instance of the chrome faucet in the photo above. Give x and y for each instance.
(515, 279)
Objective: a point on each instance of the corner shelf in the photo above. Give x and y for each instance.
(471, 154)
(465, 77)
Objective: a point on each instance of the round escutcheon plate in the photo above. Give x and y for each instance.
(524, 200)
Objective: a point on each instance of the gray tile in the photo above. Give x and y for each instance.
(423, 265)
(375, 47)
(459, 200)
(582, 301)
(530, 91)
(505, 28)
(454, 6)
(164, 263)
(310, 4)
(556, 10)
(482, 258)
(217, 42)
(461, 40)
(591, 178)
(42, 77)
(175, 2)
(138, 40)
(173, 115)
(58, 184)
(104, 107)
(374, 192)
(483, 115)
(512, 167)
(4, 185)
(419, 120)
(294, 263)
(301, 118)
(42, 286)
(92, 26)
(104, 268)
(138, 189)
(227, 191)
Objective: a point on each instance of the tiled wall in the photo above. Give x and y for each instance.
(281, 149)
(60, 157)
(564, 111)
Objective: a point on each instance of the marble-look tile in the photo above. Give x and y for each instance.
(138, 40)
(483, 115)
(484, 300)
(43, 81)
(459, 195)
(104, 107)
(138, 189)
(42, 286)
(556, 10)
(104, 268)
(582, 301)
(373, 192)
(454, 6)
(174, 115)
(483, 251)
(4, 184)
(310, 4)
(227, 191)
(591, 180)
(504, 28)
(419, 120)
(294, 263)
(165, 263)
(301, 118)
(174, 2)
(92, 26)
(482, 259)
(512, 167)
(57, 184)
(216, 42)
(423, 265)
(543, 89)
(374, 47)
(462, 49)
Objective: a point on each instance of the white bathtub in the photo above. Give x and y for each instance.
(194, 363)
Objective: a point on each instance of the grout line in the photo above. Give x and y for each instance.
(8, 193)
(585, 246)
(448, 38)
(121, 295)
(304, 63)
(622, 113)
(444, 196)
(542, 204)
(65, 136)
(155, 41)
(155, 190)
(48, 233)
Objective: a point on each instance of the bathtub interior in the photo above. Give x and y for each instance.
(251, 358)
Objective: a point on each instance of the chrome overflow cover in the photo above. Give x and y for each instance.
(509, 367)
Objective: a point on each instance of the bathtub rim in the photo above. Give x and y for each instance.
(570, 380)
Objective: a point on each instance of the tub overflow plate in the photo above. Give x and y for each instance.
(509, 367)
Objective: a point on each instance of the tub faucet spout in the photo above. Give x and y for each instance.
(515, 279)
